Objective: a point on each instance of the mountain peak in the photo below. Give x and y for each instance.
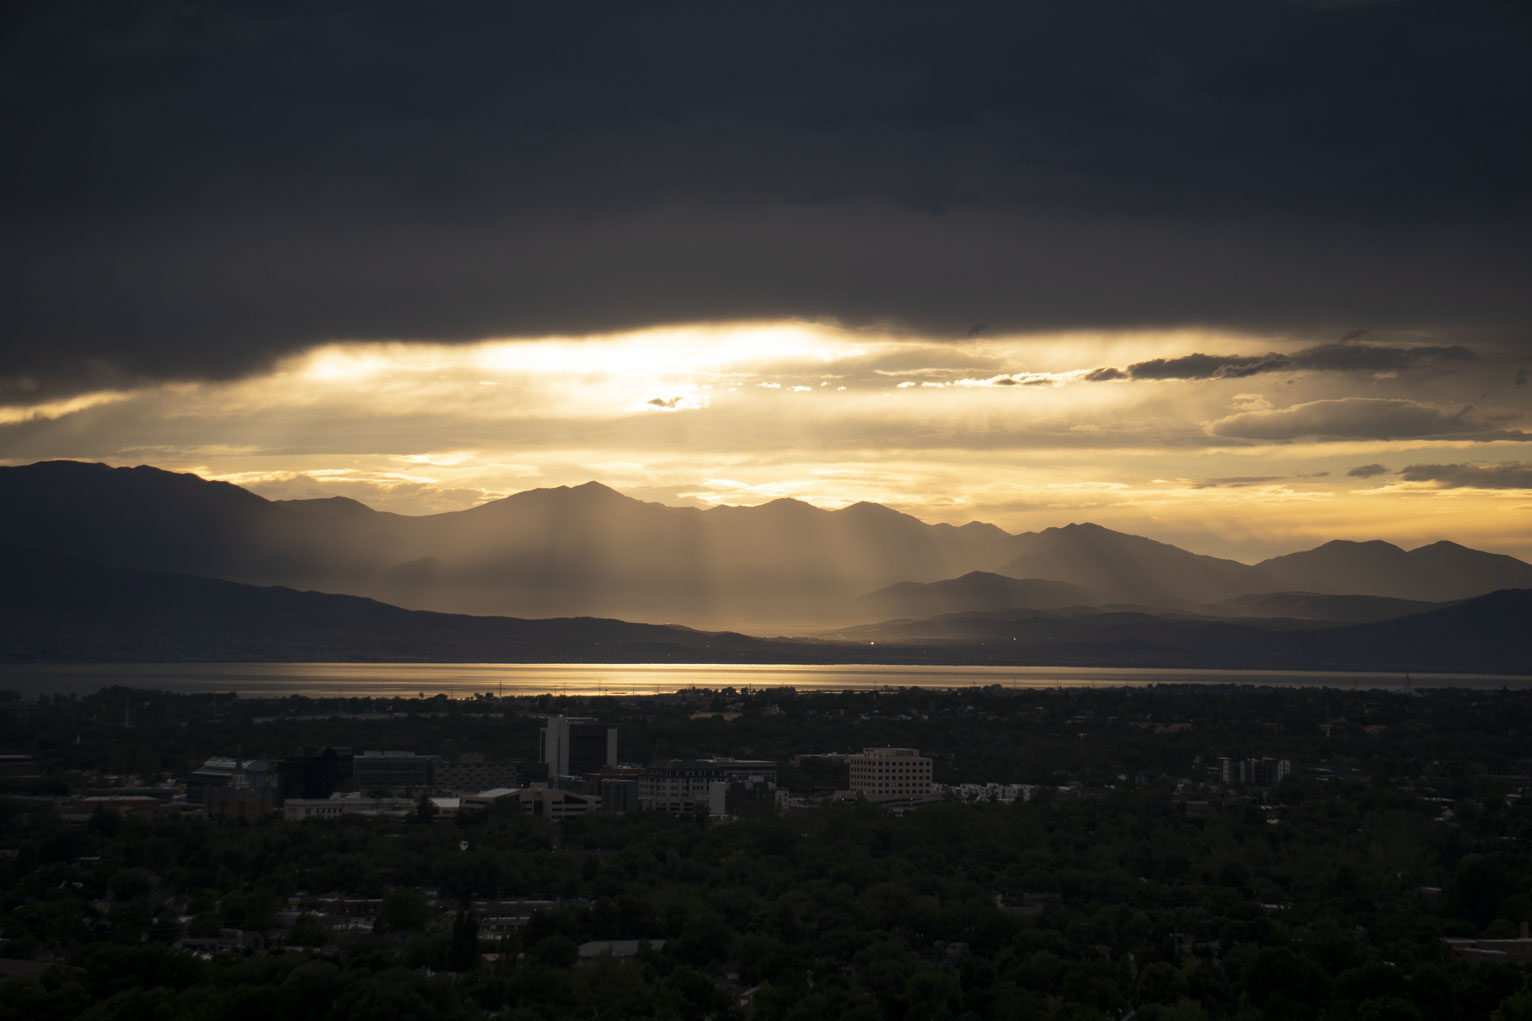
(866, 508)
(1443, 545)
(327, 505)
(787, 503)
(1084, 528)
(1374, 545)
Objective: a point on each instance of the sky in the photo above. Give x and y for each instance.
(1242, 277)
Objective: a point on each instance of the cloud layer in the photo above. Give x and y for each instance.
(1509, 475)
(195, 191)
(1342, 357)
(1366, 418)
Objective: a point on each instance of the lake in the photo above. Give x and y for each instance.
(457, 680)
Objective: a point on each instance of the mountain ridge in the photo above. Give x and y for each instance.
(591, 550)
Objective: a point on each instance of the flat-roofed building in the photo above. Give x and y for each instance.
(393, 770)
(483, 799)
(338, 805)
(551, 803)
(885, 774)
(219, 771)
(681, 785)
(576, 745)
(470, 772)
(618, 793)
(313, 772)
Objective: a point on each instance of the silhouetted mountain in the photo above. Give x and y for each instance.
(977, 590)
(1129, 568)
(336, 506)
(1436, 573)
(157, 520)
(590, 551)
(583, 550)
(61, 608)
(1487, 634)
(1317, 606)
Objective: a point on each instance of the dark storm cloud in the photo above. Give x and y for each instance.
(1200, 366)
(1509, 475)
(195, 189)
(1366, 471)
(1367, 418)
(1341, 357)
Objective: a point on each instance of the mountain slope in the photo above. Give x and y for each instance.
(1487, 634)
(590, 551)
(977, 590)
(582, 550)
(1130, 568)
(62, 608)
(1318, 606)
(1439, 572)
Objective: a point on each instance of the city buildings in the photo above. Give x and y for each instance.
(1266, 772)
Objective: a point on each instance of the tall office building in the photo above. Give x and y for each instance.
(575, 745)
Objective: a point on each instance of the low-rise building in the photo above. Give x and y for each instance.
(552, 803)
(219, 771)
(470, 772)
(393, 770)
(337, 805)
(483, 799)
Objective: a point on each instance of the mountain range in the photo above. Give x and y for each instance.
(785, 566)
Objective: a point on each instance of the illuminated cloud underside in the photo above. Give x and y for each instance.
(1233, 445)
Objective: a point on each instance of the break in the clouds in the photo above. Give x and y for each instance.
(197, 191)
(1508, 475)
(1010, 431)
(1366, 418)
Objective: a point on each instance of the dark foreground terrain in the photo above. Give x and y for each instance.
(1091, 853)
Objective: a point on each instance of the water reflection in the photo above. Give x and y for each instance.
(458, 680)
